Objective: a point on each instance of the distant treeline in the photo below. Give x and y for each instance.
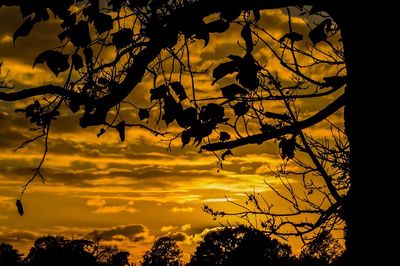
(239, 245)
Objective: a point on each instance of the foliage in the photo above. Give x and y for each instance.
(9, 256)
(165, 252)
(240, 245)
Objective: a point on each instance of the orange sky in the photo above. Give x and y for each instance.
(134, 191)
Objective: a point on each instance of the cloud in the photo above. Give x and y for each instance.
(96, 202)
(186, 227)
(184, 209)
(132, 232)
(115, 209)
(168, 228)
(17, 236)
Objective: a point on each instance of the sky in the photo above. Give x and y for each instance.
(130, 192)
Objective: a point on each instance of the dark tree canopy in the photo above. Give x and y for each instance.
(165, 252)
(9, 256)
(240, 245)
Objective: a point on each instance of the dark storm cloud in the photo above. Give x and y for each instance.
(179, 236)
(132, 232)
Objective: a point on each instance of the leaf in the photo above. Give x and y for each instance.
(248, 70)
(171, 109)
(143, 114)
(122, 38)
(212, 112)
(226, 153)
(230, 15)
(287, 148)
(232, 90)
(292, 36)
(115, 4)
(79, 34)
(179, 90)
(219, 26)
(224, 69)
(246, 35)
(224, 136)
(158, 93)
(103, 23)
(102, 131)
(187, 117)
(185, 137)
(241, 108)
(20, 208)
(121, 130)
(204, 35)
(319, 33)
(24, 29)
(56, 61)
(77, 61)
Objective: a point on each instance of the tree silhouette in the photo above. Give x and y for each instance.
(9, 256)
(165, 252)
(51, 250)
(240, 245)
(162, 34)
(323, 249)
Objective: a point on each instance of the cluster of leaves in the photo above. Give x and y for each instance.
(39, 115)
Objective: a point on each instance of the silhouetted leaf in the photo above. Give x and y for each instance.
(187, 117)
(248, 71)
(79, 34)
(122, 38)
(115, 4)
(171, 109)
(287, 148)
(226, 153)
(224, 69)
(24, 29)
(179, 90)
(143, 114)
(101, 132)
(20, 208)
(230, 14)
(241, 108)
(56, 61)
(219, 26)
(185, 137)
(232, 90)
(212, 112)
(224, 136)
(77, 61)
(320, 32)
(159, 92)
(103, 23)
(292, 36)
(204, 35)
(121, 130)
(246, 35)
(336, 81)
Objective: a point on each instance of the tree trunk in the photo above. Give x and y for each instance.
(368, 111)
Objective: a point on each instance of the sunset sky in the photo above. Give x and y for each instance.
(130, 192)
